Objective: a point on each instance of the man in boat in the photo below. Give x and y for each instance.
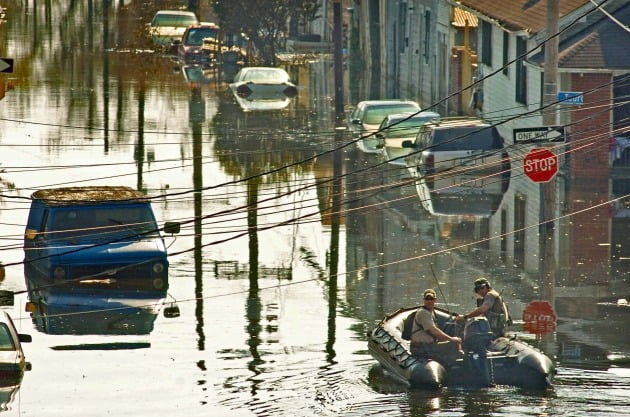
(427, 340)
(491, 305)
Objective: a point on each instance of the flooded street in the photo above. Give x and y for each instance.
(292, 245)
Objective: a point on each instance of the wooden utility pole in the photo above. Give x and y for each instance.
(338, 58)
(548, 192)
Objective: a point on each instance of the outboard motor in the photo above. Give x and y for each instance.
(477, 335)
(477, 338)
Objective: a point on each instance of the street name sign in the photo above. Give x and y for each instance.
(540, 165)
(539, 134)
(6, 64)
(571, 97)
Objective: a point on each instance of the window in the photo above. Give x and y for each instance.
(427, 35)
(402, 18)
(486, 43)
(506, 53)
(6, 341)
(521, 71)
(520, 208)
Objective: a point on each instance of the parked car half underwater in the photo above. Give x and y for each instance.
(96, 238)
(263, 88)
(461, 167)
(190, 48)
(456, 145)
(397, 128)
(12, 359)
(169, 25)
(366, 117)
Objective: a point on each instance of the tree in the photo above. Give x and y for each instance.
(263, 21)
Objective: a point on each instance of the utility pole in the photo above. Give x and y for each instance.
(548, 192)
(338, 58)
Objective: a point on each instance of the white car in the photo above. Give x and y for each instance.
(12, 359)
(263, 88)
(168, 26)
(397, 128)
(368, 115)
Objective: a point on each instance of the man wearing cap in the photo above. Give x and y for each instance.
(489, 304)
(427, 340)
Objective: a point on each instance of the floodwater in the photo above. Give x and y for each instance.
(276, 297)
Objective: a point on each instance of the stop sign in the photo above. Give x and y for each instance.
(540, 164)
(539, 317)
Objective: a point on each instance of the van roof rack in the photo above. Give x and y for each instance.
(87, 194)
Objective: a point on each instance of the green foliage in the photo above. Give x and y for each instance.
(263, 21)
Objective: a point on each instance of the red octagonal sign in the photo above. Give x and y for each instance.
(540, 165)
(539, 317)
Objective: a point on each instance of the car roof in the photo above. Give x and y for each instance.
(175, 12)
(87, 194)
(456, 122)
(381, 102)
(262, 68)
(203, 25)
(412, 115)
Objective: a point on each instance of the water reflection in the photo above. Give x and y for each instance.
(8, 392)
(66, 310)
(468, 195)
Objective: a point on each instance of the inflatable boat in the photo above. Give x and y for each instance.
(487, 361)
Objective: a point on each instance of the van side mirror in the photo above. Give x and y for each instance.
(172, 227)
(408, 144)
(356, 122)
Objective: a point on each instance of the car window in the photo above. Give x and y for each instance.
(102, 222)
(197, 35)
(376, 114)
(407, 128)
(466, 138)
(174, 20)
(264, 75)
(6, 341)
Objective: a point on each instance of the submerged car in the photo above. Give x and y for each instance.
(263, 88)
(456, 145)
(169, 25)
(366, 117)
(461, 165)
(12, 359)
(192, 47)
(397, 128)
(96, 238)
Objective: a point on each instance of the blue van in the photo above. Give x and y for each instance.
(96, 239)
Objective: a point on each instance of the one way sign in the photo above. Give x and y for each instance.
(539, 134)
(6, 64)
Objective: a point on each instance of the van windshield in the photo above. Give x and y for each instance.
(102, 223)
(466, 138)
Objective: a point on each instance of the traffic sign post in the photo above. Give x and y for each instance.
(540, 165)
